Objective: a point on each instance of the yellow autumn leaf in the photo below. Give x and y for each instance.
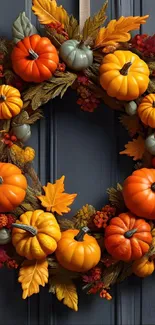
(54, 199)
(118, 30)
(131, 123)
(134, 148)
(32, 274)
(65, 291)
(48, 12)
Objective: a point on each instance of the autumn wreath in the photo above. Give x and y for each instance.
(100, 63)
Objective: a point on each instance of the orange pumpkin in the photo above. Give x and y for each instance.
(78, 251)
(139, 193)
(124, 75)
(127, 238)
(13, 187)
(34, 58)
(10, 102)
(143, 267)
(146, 110)
(35, 234)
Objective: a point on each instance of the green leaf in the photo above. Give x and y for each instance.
(111, 274)
(73, 28)
(55, 38)
(22, 27)
(92, 25)
(116, 197)
(38, 95)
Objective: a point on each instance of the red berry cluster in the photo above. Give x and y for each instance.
(59, 29)
(145, 44)
(6, 260)
(108, 261)
(9, 139)
(87, 99)
(61, 67)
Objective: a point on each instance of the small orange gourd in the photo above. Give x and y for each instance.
(127, 238)
(77, 251)
(143, 267)
(35, 58)
(13, 187)
(35, 234)
(10, 102)
(139, 193)
(124, 75)
(146, 110)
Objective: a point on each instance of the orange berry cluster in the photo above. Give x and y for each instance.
(101, 217)
(9, 139)
(105, 294)
(6, 220)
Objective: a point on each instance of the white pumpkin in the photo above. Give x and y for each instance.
(5, 236)
(131, 108)
(150, 144)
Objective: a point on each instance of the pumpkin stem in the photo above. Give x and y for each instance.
(124, 70)
(153, 104)
(1, 180)
(153, 187)
(33, 55)
(2, 98)
(130, 233)
(81, 44)
(33, 231)
(80, 235)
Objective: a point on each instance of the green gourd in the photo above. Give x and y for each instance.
(22, 132)
(131, 108)
(76, 55)
(5, 236)
(150, 144)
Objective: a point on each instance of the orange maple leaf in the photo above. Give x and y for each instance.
(54, 199)
(32, 274)
(118, 30)
(135, 148)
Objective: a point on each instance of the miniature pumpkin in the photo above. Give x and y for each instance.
(77, 251)
(139, 193)
(143, 267)
(22, 132)
(34, 58)
(10, 102)
(131, 108)
(127, 238)
(35, 234)
(5, 236)
(146, 110)
(150, 144)
(124, 75)
(13, 187)
(76, 55)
